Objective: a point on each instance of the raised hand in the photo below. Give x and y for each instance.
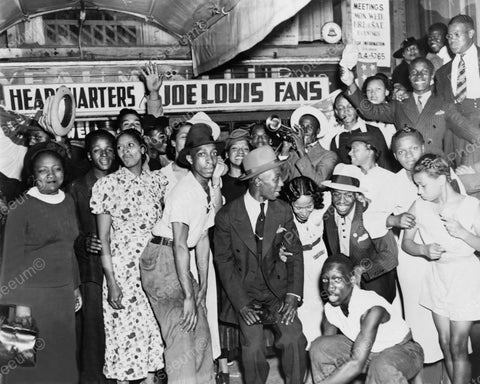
(153, 80)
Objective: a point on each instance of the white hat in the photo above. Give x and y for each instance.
(345, 177)
(309, 110)
(202, 117)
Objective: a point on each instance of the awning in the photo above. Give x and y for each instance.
(218, 30)
(242, 28)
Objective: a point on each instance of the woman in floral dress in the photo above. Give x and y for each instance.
(127, 204)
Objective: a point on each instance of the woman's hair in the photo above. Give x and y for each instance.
(93, 136)
(407, 131)
(433, 165)
(303, 186)
(34, 160)
(122, 114)
(137, 136)
(170, 151)
(384, 79)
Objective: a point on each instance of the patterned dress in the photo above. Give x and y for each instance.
(134, 344)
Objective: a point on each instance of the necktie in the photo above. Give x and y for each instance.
(259, 229)
(461, 81)
(419, 104)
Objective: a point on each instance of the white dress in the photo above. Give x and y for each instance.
(411, 271)
(314, 255)
(451, 287)
(211, 299)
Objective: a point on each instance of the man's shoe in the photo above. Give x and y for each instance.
(222, 378)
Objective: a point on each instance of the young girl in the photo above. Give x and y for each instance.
(449, 225)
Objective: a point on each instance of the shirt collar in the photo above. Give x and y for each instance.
(425, 96)
(251, 202)
(130, 176)
(470, 53)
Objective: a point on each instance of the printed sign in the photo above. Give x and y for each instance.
(371, 30)
(107, 99)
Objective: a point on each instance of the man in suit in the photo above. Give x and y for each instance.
(262, 290)
(308, 158)
(100, 146)
(459, 82)
(422, 110)
(375, 259)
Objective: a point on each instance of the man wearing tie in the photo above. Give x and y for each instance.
(261, 289)
(459, 81)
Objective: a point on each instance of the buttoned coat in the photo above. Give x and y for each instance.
(235, 245)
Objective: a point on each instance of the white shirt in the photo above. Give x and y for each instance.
(344, 228)
(253, 209)
(187, 203)
(360, 124)
(380, 191)
(392, 332)
(471, 71)
(11, 157)
(423, 97)
(444, 55)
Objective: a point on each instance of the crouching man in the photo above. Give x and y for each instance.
(372, 338)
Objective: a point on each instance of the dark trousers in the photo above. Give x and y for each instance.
(289, 339)
(91, 335)
(385, 285)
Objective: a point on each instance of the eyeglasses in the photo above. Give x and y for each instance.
(455, 35)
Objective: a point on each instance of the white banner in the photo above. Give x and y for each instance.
(107, 99)
(371, 30)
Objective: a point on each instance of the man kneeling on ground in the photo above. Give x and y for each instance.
(372, 338)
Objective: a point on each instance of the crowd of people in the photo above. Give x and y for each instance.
(165, 252)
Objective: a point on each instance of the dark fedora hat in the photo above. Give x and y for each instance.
(198, 135)
(398, 54)
(365, 137)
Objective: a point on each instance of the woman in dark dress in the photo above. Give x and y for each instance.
(40, 270)
(237, 147)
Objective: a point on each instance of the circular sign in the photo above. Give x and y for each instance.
(331, 32)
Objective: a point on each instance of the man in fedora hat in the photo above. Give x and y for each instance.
(178, 299)
(308, 158)
(262, 290)
(375, 259)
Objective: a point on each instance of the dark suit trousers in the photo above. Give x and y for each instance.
(91, 335)
(384, 285)
(289, 339)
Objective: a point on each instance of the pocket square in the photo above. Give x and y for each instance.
(363, 237)
(439, 113)
(280, 229)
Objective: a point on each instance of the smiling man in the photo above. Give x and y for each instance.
(372, 335)
(422, 110)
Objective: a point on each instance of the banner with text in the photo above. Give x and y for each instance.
(371, 30)
(107, 99)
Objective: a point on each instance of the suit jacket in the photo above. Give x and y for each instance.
(436, 117)
(386, 159)
(318, 164)
(235, 244)
(379, 256)
(442, 80)
(90, 265)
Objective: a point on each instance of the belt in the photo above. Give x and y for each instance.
(160, 240)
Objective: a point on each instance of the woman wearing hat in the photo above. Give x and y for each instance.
(127, 203)
(179, 298)
(409, 51)
(39, 259)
